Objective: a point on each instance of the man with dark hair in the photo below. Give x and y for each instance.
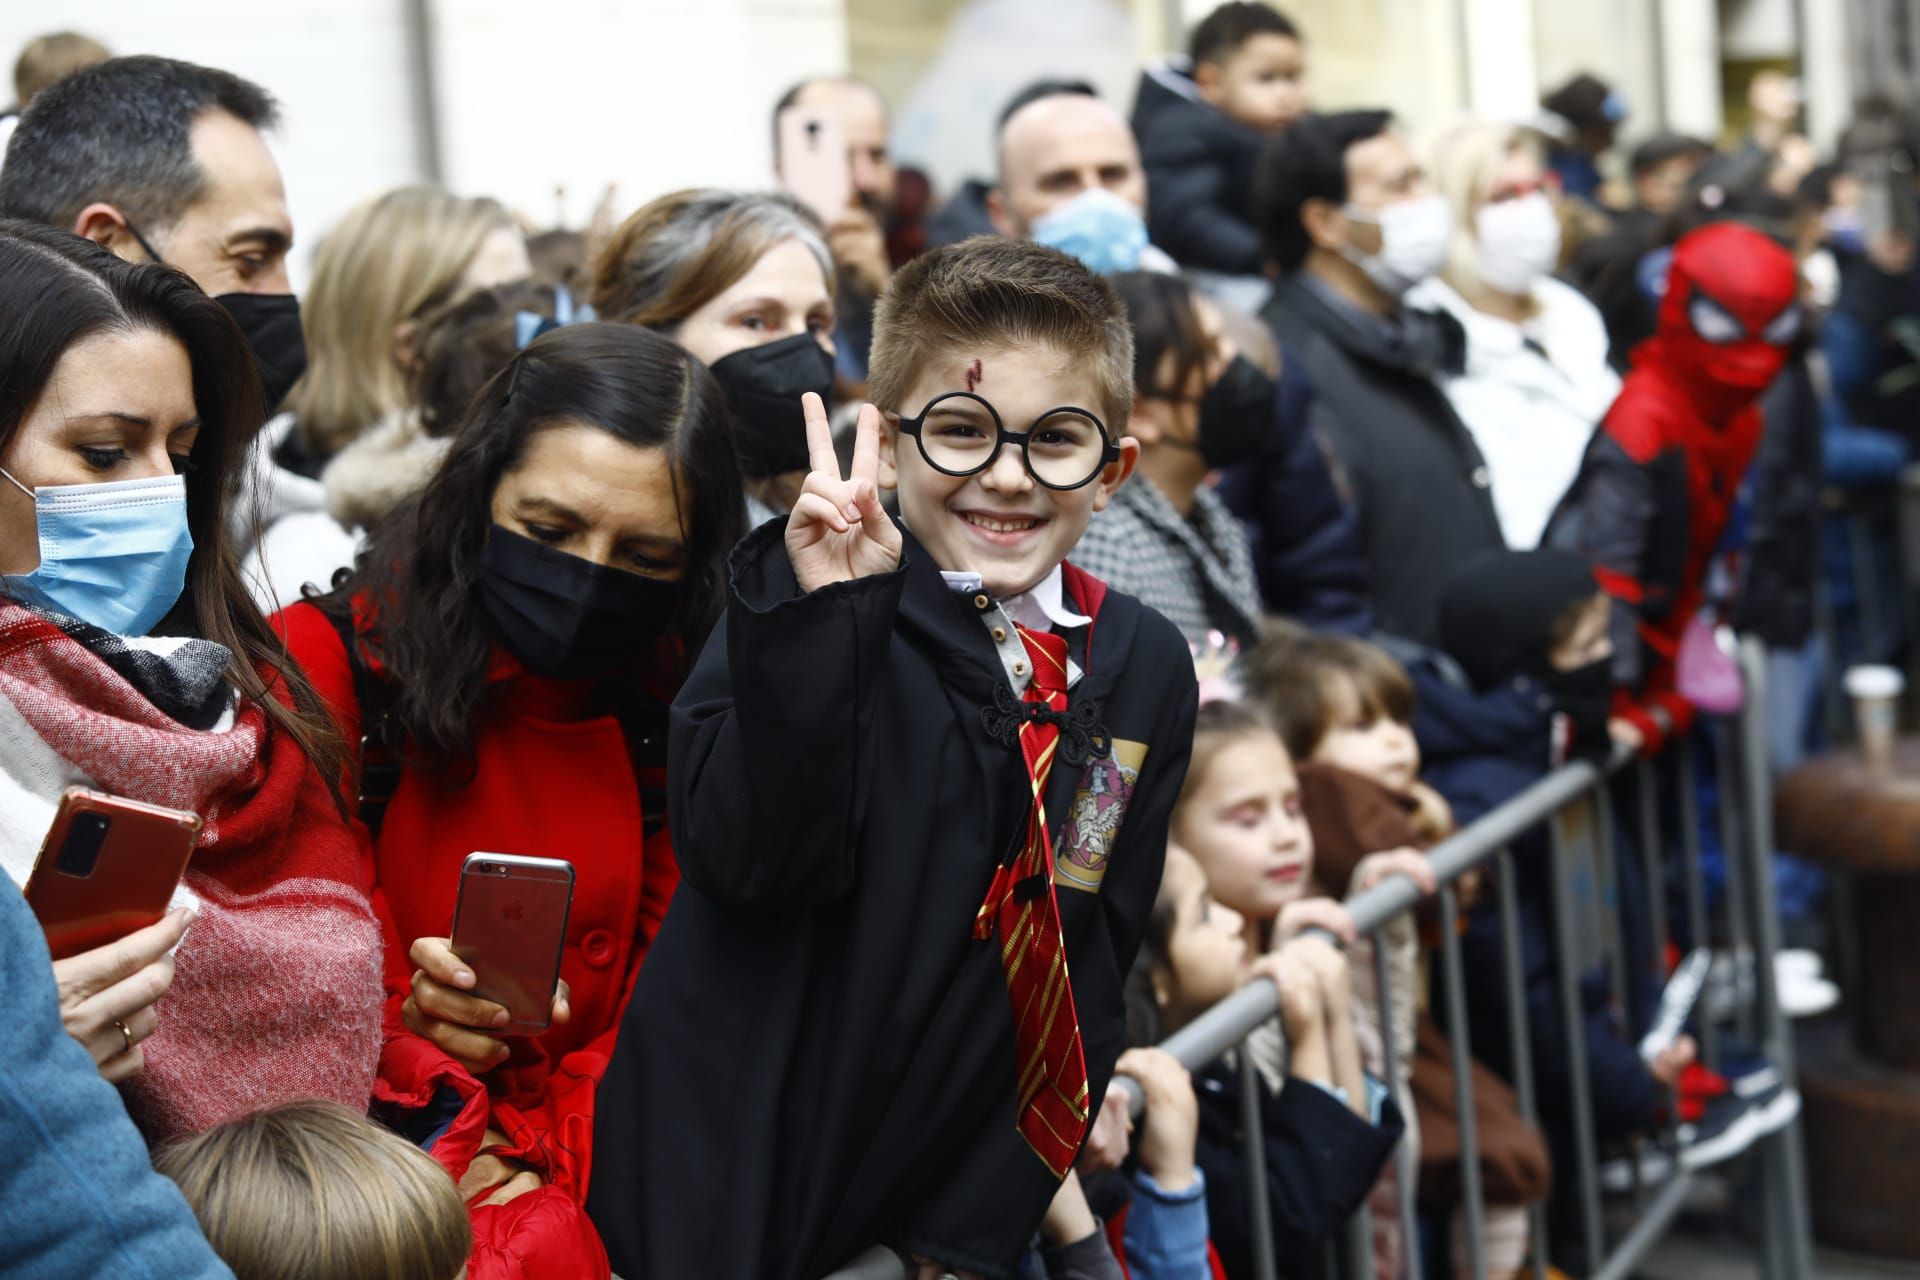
(1662, 167)
(1352, 223)
(1607, 267)
(161, 160)
(1583, 116)
(1202, 121)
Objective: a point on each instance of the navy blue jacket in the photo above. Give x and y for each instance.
(1199, 167)
(1479, 750)
(1322, 1161)
(1306, 538)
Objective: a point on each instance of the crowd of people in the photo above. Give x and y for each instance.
(954, 647)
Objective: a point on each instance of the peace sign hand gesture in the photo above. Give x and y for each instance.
(838, 530)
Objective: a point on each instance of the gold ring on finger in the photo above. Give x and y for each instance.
(125, 1034)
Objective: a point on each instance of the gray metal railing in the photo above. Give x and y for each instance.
(1574, 804)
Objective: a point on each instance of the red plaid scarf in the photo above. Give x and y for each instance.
(276, 993)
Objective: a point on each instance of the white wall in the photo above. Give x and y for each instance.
(337, 66)
(651, 94)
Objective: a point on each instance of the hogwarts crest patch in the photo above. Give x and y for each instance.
(1098, 808)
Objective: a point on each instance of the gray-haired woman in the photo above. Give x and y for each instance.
(744, 282)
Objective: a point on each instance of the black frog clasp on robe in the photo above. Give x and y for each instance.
(1082, 736)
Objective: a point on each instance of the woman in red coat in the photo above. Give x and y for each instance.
(516, 632)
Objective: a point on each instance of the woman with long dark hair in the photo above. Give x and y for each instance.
(133, 662)
(506, 649)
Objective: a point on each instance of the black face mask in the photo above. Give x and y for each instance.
(1236, 414)
(271, 322)
(1585, 696)
(764, 385)
(565, 617)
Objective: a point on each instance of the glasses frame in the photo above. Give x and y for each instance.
(1109, 451)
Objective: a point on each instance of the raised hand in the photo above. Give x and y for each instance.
(838, 530)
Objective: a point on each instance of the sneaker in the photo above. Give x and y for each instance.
(1746, 1071)
(1731, 1124)
(1806, 997)
(1798, 977)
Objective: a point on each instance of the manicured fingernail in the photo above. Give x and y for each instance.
(463, 976)
(500, 1018)
(853, 511)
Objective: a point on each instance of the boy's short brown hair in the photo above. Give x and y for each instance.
(1303, 679)
(313, 1191)
(995, 292)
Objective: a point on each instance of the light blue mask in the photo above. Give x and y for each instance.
(1105, 232)
(114, 555)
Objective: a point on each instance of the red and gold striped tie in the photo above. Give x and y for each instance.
(1051, 1102)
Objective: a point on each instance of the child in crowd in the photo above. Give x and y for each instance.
(312, 1191)
(1202, 121)
(920, 780)
(1198, 405)
(1346, 708)
(1239, 814)
(1530, 631)
(1657, 487)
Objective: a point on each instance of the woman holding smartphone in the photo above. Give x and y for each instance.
(743, 281)
(132, 662)
(506, 648)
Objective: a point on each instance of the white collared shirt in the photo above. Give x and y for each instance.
(1042, 607)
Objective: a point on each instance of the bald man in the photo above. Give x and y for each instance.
(1057, 147)
(857, 237)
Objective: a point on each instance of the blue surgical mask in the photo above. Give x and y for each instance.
(114, 555)
(1104, 231)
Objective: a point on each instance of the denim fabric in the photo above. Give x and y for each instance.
(1166, 1236)
(77, 1194)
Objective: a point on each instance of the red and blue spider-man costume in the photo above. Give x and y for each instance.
(1658, 482)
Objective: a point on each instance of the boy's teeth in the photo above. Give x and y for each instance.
(1001, 526)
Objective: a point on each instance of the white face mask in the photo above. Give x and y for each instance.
(1519, 242)
(1413, 242)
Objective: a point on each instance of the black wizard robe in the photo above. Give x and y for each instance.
(819, 1055)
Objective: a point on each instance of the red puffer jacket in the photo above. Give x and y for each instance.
(551, 778)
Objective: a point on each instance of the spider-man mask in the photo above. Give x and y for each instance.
(1729, 314)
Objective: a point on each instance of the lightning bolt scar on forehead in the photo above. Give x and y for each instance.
(974, 375)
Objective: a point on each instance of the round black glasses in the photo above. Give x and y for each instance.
(960, 434)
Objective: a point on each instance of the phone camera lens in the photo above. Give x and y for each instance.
(81, 851)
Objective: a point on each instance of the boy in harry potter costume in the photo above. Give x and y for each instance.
(921, 780)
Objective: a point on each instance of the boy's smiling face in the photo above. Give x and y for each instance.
(1000, 523)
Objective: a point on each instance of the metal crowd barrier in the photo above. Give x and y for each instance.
(1573, 802)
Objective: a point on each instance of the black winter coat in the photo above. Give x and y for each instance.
(819, 1056)
(1414, 476)
(1199, 169)
(1322, 1161)
(1775, 601)
(1306, 540)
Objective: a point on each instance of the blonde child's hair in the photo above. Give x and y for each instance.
(313, 1191)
